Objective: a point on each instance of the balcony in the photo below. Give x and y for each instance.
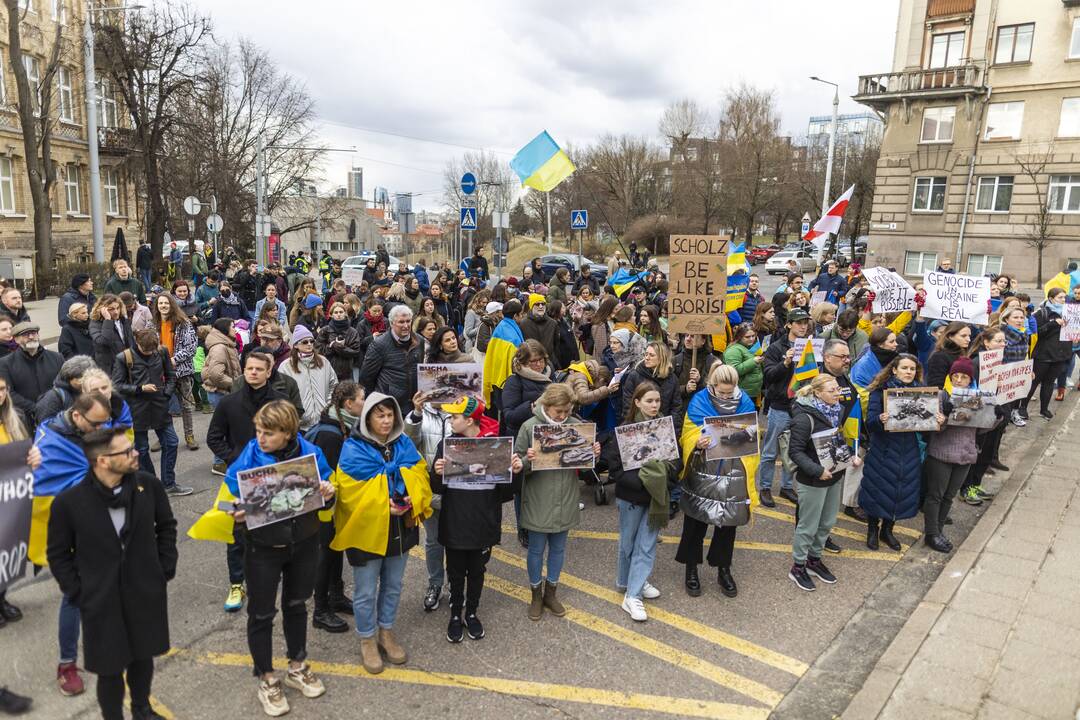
(883, 89)
(116, 140)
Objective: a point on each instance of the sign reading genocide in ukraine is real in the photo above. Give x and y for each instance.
(698, 284)
(965, 298)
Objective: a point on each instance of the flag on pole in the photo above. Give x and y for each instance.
(806, 368)
(542, 164)
(736, 260)
(830, 221)
(853, 424)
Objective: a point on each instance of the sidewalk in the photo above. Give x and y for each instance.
(998, 634)
(43, 313)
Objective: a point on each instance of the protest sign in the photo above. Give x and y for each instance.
(988, 362)
(1013, 380)
(973, 407)
(564, 447)
(1071, 331)
(644, 441)
(16, 505)
(892, 293)
(964, 298)
(280, 491)
(800, 344)
(818, 297)
(478, 463)
(733, 436)
(353, 276)
(697, 284)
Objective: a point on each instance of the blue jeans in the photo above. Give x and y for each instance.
(556, 543)
(433, 551)
(770, 448)
(144, 276)
(169, 443)
(376, 592)
(70, 619)
(637, 547)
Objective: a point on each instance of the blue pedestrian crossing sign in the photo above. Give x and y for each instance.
(468, 218)
(579, 219)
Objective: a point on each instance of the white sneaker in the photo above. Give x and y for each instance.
(272, 697)
(649, 592)
(581, 506)
(635, 608)
(305, 681)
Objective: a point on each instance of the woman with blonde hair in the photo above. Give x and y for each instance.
(110, 329)
(75, 335)
(656, 366)
(824, 315)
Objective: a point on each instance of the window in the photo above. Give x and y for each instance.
(995, 193)
(1064, 194)
(1004, 120)
(984, 265)
(1074, 46)
(33, 75)
(937, 124)
(106, 104)
(64, 96)
(916, 262)
(7, 186)
(71, 188)
(1014, 43)
(1070, 118)
(112, 191)
(929, 194)
(946, 49)
(59, 12)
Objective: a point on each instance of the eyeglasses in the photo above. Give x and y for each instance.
(305, 341)
(129, 450)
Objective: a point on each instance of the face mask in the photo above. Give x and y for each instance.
(226, 293)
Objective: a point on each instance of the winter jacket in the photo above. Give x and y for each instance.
(185, 343)
(471, 519)
(543, 331)
(68, 299)
(56, 400)
(470, 328)
(222, 365)
(670, 397)
(198, 264)
(519, 393)
(953, 444)
(777, 373)
(232, 307)
(567, 351)
(315, 385)
(1050, 348)
(806, 421)
(232, 425)
(834, 286)
(28, 376)
(892, 468)
(483, 332)
(556, 290)
(682, 361)
(601, 332)
(190, 308)
(283, 385)
(855, 343)
(144, 258)
(75, 339)
(133, 285)
(751, 376)
(584, 392)
(340, 347)
(282, 313)
(21, 315)
(117, 583)
(549, 498)
(938, 364)
(205, 294)
(149, 410)
(141, 319)
(390, 367)
(749, 306)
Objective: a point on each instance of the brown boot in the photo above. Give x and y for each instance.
(389, 644)
(191, 444)
(536, 607)
(369, 655)
(551, 602)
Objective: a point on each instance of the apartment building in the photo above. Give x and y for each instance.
(72, 233)
(982, 130)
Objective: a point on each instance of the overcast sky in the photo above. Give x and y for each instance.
(493, 73)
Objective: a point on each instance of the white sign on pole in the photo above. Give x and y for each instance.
(965, 298)
(192, 206)
(262, 225)
(892, 293)
(500, 220)
(989, 360)
(1071, 331)
(214, 223)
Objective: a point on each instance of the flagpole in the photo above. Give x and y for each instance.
(547, 206)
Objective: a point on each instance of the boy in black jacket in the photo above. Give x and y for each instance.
(470, 520)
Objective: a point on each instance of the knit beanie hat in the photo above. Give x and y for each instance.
(962, 365)
(301, 332)
(78, 279)
(312, 301)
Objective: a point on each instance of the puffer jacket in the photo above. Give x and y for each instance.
(222, 365)
(892, 468)
(390, 367)
(751, 376)
(584, 393)
(549, 498)
(316, 379)
(953, 444)
(519, 393)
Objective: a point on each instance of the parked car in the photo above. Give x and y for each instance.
(760, 253)
(551, 263)
(843, 252)
(778, 263)
(801, 245)
(359, 261)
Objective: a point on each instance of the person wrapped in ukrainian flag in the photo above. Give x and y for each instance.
(383, 495)
(719, 493)
(501, 349)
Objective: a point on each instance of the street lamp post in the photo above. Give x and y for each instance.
(832, 149)
(97, 221)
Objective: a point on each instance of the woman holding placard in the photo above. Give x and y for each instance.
(951, 344)
(949, 456)
(1051, 353)
(893, 464)
(988, 442)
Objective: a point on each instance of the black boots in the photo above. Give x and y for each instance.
(872, 533)
(887, 537)
(938, 543)
(727, 583)
(693, 584)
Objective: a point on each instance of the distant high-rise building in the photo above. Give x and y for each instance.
(356, 182)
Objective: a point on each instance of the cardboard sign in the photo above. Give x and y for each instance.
(697, 284)
(1071, 331)
(16, 506)
(964, 298)
(892, 293)
(989, 360)
(817, 297)
(352, 276)
(1013, 380)
(817, 343)
(280, 491)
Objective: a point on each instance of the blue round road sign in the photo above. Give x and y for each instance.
(468, 183)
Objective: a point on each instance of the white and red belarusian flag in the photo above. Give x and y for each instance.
(830, 221)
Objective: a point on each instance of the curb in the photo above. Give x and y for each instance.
(883, 678)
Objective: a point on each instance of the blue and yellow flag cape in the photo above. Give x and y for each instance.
(217, 525)
(699, 408)
(363, 481)
(499, 358)
(542, 164)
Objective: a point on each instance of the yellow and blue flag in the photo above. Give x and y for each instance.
(623, 280)
(853, 425)
(805, 369)
(1061, 280)
(499, 358)
(542, 164)
(736, 260)
(737, 285)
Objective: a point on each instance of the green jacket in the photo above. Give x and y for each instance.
(198, 264)
(751, 375)
(556, 291)
(549, 498)
(855, 343)
(132, 285)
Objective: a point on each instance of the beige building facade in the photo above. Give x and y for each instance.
(71, 227)
(982, 130)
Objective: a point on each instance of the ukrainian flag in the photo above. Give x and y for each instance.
(805, 370)
(736, 260)
(623, 280)
(1061, 280)
(853, 425)
(499, 358)
(737, 285)
(542, 164)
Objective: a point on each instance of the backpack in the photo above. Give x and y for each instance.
(313, 432)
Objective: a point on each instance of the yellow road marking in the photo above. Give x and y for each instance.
(639, 702)
(156, 705)
(841, 532)
(705, 632)
(897, 529)
(663, 651)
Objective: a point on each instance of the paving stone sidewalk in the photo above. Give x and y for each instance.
(998, 635)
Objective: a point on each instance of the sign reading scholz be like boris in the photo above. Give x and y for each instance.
(697, 284)
(964, 298)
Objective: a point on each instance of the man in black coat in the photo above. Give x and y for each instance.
(478, 264)
(144, 263)
(391, 359)
(30, 370)
(112, 549)
(81, 291)
(146, 378)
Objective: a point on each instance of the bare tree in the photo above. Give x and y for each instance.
(495, 190)
(682, 120)
(35, 108)
(1040, 234)
(621, 175)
